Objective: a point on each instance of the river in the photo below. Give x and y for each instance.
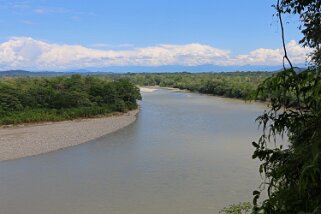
(186, 153)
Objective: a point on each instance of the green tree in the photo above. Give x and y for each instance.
(292, 172)
(309, 11)
(241, 208)
(310, 15)
(59, 98)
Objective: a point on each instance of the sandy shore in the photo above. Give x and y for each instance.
(147, 89)
(155, 88)
(28, 140)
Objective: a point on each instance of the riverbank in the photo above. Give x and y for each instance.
(155, 88)
(147, 89)
(28, 140)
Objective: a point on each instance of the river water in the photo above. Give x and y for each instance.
(186, 153)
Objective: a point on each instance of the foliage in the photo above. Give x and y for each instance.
(231, 84)
(292, 173)
(241, 208)
(58, 98)
(310, 15)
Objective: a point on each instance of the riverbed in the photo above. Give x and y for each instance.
(34, 139)
(186, 153)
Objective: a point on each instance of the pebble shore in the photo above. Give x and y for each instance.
(28, 140)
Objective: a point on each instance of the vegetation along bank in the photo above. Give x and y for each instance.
(39, 99)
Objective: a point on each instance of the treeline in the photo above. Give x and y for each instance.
(241, 85)
(35, 99)
(30, 99)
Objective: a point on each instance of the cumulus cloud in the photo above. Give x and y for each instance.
(263, 56)
(29, 53)
(104, 45)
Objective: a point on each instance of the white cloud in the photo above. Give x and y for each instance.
(104, 45)
(29, 53)
(263, 56)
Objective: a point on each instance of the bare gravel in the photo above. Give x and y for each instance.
(27, 140)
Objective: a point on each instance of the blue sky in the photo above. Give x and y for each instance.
(235, 26)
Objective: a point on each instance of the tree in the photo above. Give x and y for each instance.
(310, 15)
(57, 98)
(293, 172)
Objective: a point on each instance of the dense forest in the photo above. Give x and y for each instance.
(34, 99)
(229, 84)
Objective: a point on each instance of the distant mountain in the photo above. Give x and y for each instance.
(144, 69)
(296, 69)
(24, 73)
(16, 73)
(78, 71)
(179, 68)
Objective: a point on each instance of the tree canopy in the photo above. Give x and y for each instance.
(58, 98)
(292, 172)
(242, 85)
(310, 16)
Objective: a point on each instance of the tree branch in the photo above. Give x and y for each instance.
(279, 10)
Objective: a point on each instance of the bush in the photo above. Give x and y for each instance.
(59, 98)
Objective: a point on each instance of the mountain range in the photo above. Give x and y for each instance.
(144, 69)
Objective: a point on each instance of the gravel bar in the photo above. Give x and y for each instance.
(33, 139)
